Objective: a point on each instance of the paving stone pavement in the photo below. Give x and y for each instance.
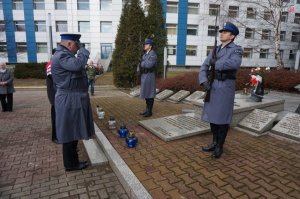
(251, 167)
(31, 165)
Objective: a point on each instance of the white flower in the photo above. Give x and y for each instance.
(268, 68)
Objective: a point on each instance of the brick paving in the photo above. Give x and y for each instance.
(31, 165)
(251, 167)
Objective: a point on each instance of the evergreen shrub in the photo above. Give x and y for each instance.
(30, 70)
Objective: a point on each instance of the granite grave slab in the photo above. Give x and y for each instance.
(195, 96)
(288, 126)
(137, 92)
(180, 95)
(176, 126)
(164, 94)
(258, 121)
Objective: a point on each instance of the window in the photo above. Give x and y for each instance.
(297, 18)
(172, 7)
(213, 30)
(1, 6)
(40, 26)
(284, 16)
(106, 26)
(171, 29)
(3, 47)
(83, 5)
(191, 50)
(21, 47)
(193, 8)
(295, 37)
(265, 34)
(263, 54)
(233, 11)
(41, 48)
(105, 50)
(38, 4)
(61, 26)
(171, 50)
(146, 5)
(267, 15)
(2, 26)
(19, 26)
(281, 53)
(251, 14)
(18, 5)
(105, 4)
(282, 35)
(60, 5)
(209, 49)
(292, 55)
(214, 9)
(83, 26)
(249, 33)
(192, 30)
(248, 52)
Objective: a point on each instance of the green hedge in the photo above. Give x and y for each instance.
(30, 70)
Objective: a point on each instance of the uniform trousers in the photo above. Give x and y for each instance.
(70, 154)
(6, 102)
(220, 133)
(54, 138)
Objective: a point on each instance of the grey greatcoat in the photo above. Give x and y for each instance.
(148, 84)
(73, 111)
(6, 76)
(219, 109)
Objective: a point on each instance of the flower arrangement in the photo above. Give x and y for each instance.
(258, 74)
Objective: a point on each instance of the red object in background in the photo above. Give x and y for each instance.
(292, 9)
(253, 80)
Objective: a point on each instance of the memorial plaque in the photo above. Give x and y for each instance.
(176, 126)
(180, 95)
(164, 94)
(258, 121)
(195, 96)
(135, 92)
(288, 126)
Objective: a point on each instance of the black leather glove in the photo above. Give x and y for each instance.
(206, 86)
(81, 45)
(212, 62)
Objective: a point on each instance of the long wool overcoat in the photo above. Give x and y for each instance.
(219, 109)
(73, 111)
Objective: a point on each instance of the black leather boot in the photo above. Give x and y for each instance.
(217, 152)
(212, 146)
(145, 112)
(149, 107)
(222, 133)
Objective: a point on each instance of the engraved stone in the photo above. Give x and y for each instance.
(195, 96)
(135, 92)
(164, 94)
(177, 97)
(288, 126)
(176, 126)
(258, 121)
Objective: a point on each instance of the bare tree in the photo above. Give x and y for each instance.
(268, 14)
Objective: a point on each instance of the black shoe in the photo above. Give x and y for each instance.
(217, 152)
(80, 166)
(144, 113)
(148, 114)
(209, 148)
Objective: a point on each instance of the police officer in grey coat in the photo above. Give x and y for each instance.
(218, 111)
(73, 111)
(147, 70)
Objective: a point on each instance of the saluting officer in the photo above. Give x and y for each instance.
(147, 70)
(218, 111)
(73, 111)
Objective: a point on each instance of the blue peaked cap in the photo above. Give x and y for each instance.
(149, 41)
(73, 37)
(231, 28)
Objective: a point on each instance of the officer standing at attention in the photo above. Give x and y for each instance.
(219, 110)
(147, 70)
(73, 111)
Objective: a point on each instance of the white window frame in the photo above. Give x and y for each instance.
(171, 29)
(18, 5)
(83, 5)
(264, 53)
(40, 26)
(2, 26)
(233, 11)
(248, 53)
(39, 4)
(105, 45)
(19, 26)
(105, 25)
(297, 18)
(251, 13)
(21, 47)
(295, 37)
(249, 33)
(41, 47)
(61, 26)
(214, 9)
(193, 8)
(83, 26)
(172, 7)
(191, 50)
(192, 28)
(282, 35)
(60, 4)
(171, 49)
(211, 31)
(105, 5)
(284, 16)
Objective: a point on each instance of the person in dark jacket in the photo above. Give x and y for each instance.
(6, 88)
(219, 110)
(51, 94)
(74, 120)
(147, 70)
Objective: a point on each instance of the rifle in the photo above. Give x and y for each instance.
(211, 70)
(139, 72)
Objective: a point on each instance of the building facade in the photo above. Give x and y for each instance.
(26, 27)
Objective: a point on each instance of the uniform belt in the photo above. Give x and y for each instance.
(147, 70)
(70, 90)
(225, 74)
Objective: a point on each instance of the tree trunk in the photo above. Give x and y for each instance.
(279, 62)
